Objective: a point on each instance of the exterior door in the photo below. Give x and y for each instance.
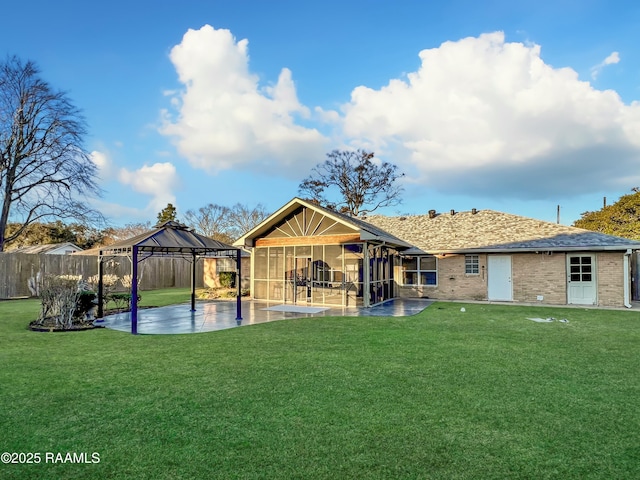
(499, 278)
(581, 280)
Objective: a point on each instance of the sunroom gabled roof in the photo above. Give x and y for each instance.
(367, 231)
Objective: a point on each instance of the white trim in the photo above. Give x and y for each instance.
(627, 278)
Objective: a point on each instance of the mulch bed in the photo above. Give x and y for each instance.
(49, 324)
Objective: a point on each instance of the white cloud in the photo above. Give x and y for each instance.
(158, 181)
(223, 119)
(482, 116)
(612, 59)
(103, 163)
(124, 213)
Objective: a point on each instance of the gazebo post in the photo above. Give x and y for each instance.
(193, 281)
(239, 284)
(134, 290)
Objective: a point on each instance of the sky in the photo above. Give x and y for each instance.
(505, 105)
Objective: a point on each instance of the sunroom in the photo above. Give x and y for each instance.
(306, 254)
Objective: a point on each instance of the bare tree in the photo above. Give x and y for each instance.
(45, 173)
(116, 234)
(213, 221)
(356, 180)
(243, 218)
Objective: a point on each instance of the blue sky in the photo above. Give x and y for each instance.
(507, 105)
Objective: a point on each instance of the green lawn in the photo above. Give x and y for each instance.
(445, 394)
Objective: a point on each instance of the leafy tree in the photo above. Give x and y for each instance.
(621, 218)
(45, 172)
(359, 183)
(213, 221)
(86, 236)
(38, 233)
(167, 213)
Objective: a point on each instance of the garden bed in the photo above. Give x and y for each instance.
(50, 325)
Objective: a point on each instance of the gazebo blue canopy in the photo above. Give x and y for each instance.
(168, 239)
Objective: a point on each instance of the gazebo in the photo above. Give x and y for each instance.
(170, 239)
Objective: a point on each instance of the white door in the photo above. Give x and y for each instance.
(581, 279)
(499, 277)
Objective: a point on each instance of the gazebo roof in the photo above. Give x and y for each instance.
(170, 238)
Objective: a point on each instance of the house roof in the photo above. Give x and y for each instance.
(170, 238)
(47, 248)
(491, 231)
(367, 231)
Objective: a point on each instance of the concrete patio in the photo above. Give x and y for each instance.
(220, 315)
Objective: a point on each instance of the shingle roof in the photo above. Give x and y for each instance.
(488, 230)
(45, 248)
(373, 230)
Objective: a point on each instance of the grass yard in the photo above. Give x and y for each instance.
(444, 394)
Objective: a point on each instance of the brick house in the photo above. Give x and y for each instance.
(489, 255)
(304, 253)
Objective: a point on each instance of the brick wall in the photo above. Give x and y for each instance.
(610, 279)
(533, 275)
(453, 283)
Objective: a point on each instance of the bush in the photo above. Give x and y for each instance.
(122, 300)
(227, 279)
(219, 292)
(65, 302)
(85, 302)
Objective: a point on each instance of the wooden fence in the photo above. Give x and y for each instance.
(155, 272)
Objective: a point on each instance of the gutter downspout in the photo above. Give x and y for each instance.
(627, 277)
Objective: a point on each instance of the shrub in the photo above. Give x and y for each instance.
(65, 301)
(122, 300)
(85, 303)
(227, 279)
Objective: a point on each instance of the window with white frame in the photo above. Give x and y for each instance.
(419, 270)
(471, 264)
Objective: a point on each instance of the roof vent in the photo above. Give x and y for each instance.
(432, 214)
(474, 211)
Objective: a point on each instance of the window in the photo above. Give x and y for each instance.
(471, 264)
(580, 269)
(419, 271)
